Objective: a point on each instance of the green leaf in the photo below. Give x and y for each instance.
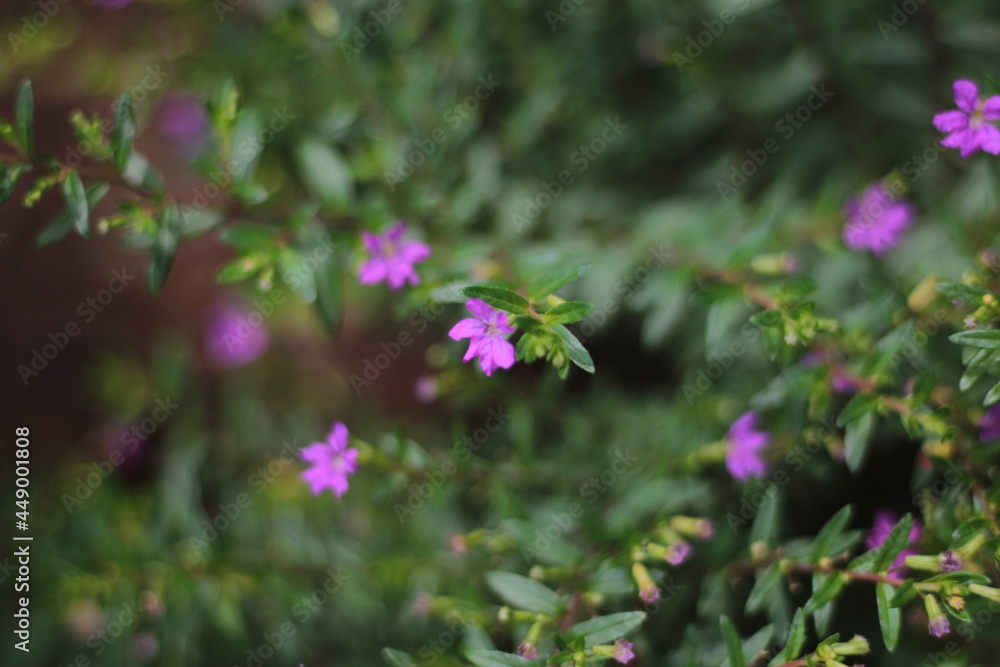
(164, 247)
(63, 223)
(857, 408)
(76, 201)
(968, 294)
(993, 395)
(8, 180)
(123, 135)
(524, 593)
(396, 658)
(551, 282)
(139, 173)
(857, 438)
(498, 297)
(987, 339)
(979, 363)
(904, 594)
(485, 658)
(732, 638)
(330, 293)
(606, 629)
(568, 311)
(765, 525)
(26, 117)
(763, 588)
(829, 587)
(324, 172)
(574, 348)
(888, 616)
(828, 534)
(897, 540)
(796, 637)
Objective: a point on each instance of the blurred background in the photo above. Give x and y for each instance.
(171, 524)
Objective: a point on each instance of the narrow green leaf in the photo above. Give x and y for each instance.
(732, 638)
(330, 293)
(498, 297)
(993, 395)
(396, 658)
(569, 311)
(524, 593)
(904, 594)
(829, 587)
(574, 348)
(987, 339)
(828, 534)
(979, 363)
(551, 282)
(765, 525)
(763, 588)
(857, 407)
(325, 172)
(606, 629)
(888, 617)
(164, 247)
(63, 223)
(8, 180)
(123, 135)
(897, 540)
(969, 294)
(796, 637)
(485, 658)
(857, 441)
(26, 117)
(76, 201)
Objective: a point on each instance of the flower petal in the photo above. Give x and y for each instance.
(966, 95)
(338, 437)
(951, 121)
(991, 108)
(373, 271)
(480, 309)
(467, 328)
(989, 139)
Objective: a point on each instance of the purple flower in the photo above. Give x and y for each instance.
(527, 650)
(938, 626)
(989, 425)
(331, 462)
(882, 525)
(184, 121)
(968, 128)
(235, 335)
(877, 221)
(649, 592)
(950, 561)
(487, 330)
(623, 651)
(745, 442)
(392, 259)
(677, 553)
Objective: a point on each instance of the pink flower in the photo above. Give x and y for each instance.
(183, 120)
(989, 425)
(392, 259)
(527, 650)
(939, 626)
(745, 443)
(235, 335)
(968, 128)
(331, 462)
(677, 553)
(623, 651)
(487, 330)
(877, 221)
(882, 525)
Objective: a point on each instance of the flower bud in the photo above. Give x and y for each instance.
(648, 590)
(937, 623)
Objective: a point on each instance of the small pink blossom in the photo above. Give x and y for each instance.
(332, 462)
(623, 651)
(939, 626)
(876, 221)
(392, 259)
(678, 552)
(235, 335)
(967, 128)
(744, 446)
(487, 331)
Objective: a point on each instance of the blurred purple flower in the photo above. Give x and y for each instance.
(989, 425)
(939, 626)
(527, 650)
(623, 651)
(967, 128)
(487, 330)
(744, 446)
(112, 4)
(331, 461)
(183, 120)
(950, 561)
(882, 525)
(876, 221)
(392, 259)
(235, 335)
(678, 552)
(841, 382)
